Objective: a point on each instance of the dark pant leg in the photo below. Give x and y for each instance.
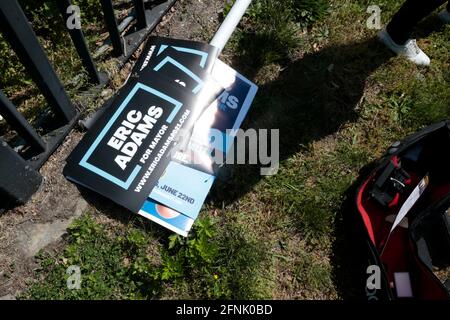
(409, 15)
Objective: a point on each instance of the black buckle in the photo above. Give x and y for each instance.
(391, 182)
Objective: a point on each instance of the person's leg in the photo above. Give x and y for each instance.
(409, 15)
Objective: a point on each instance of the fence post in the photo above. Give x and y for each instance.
(111, 24)
(80, 44)
(24, 42)
(18, 181)
(140, 14)
(20, 124)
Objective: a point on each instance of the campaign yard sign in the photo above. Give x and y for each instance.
(132, 154)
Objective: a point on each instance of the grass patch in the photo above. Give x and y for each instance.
(102, 259)
(52, 35)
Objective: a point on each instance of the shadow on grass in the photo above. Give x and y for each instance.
(311, 99)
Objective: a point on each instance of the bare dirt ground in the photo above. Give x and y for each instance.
(42, 222)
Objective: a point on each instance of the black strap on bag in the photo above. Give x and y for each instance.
(430, 231)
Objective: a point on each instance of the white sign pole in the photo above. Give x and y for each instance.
(229, 24)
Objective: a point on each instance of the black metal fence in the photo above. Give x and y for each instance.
(19, 177)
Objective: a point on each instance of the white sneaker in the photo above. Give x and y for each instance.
(444, 15)
(410, 49)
